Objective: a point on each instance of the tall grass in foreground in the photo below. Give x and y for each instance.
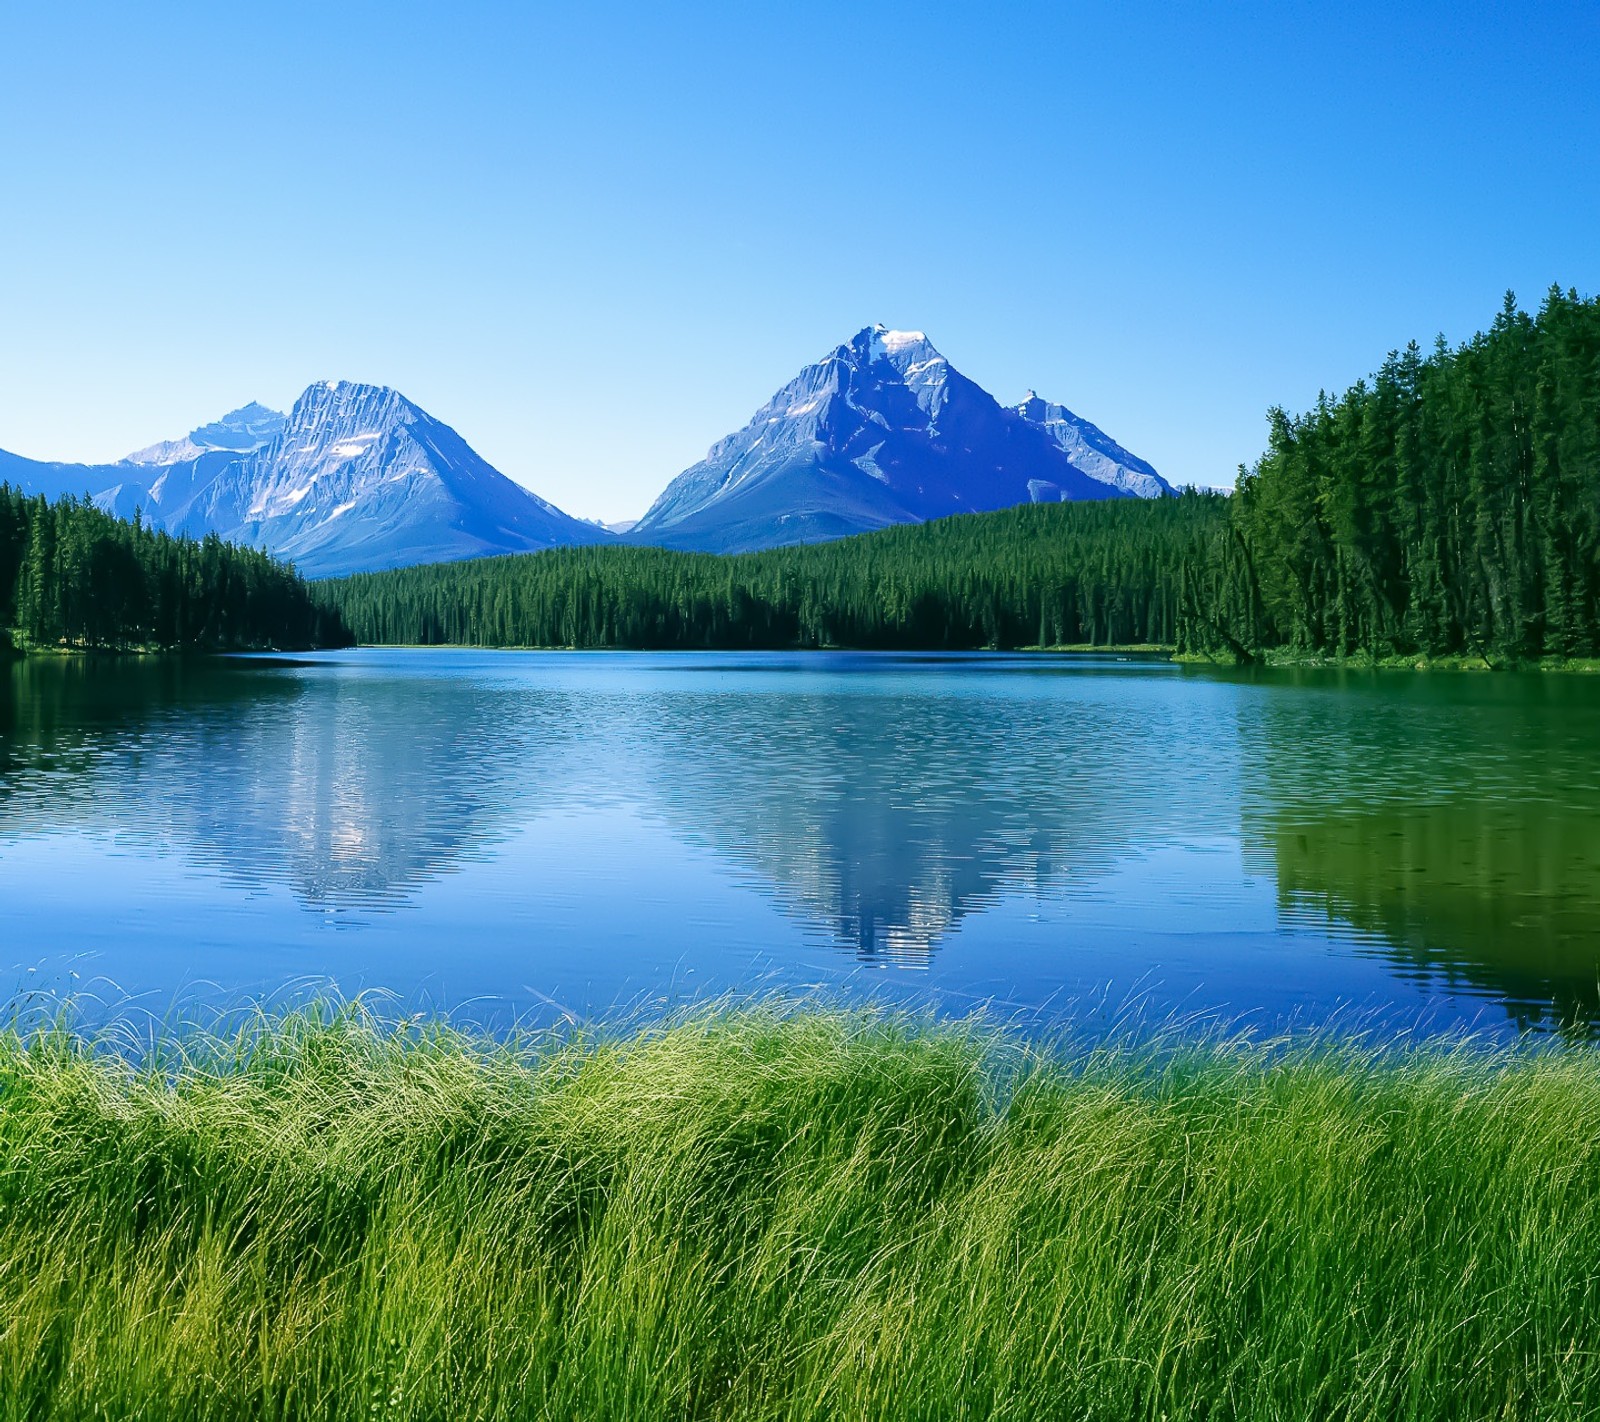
(818, 1214)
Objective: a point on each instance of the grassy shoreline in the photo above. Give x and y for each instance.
(817, 1213)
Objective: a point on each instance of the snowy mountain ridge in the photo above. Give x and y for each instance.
(241, 430)
(883, 430)
(880, 430)
(355, 477)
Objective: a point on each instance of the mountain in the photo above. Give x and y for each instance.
(239, 431)
(151, 477)
(355, 477)
(882, 430)
(361, 478)
(1092, 450)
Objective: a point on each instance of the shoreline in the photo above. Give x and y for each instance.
(1284, 660)
(1275, 660)
(15, 653)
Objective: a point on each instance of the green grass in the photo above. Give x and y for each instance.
(769, 1214)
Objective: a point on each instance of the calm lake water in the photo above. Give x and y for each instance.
(512, 834)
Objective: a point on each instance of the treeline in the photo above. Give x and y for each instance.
(73, 576)
(1049, 574)
(1449, 505)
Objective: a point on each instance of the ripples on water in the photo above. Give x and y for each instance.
(595, 829)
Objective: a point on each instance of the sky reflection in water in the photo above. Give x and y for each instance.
(506, 831)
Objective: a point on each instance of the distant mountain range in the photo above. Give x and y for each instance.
(355, 477)
(883, 430)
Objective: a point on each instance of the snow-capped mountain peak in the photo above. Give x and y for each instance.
(356, 476)
(884, 342)
(360, 477)
(881, 430)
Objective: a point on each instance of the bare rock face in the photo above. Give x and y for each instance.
(354, 478)
(1092, 451)
(882, 430)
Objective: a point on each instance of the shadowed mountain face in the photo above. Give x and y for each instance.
(355, 477)
(883, 430)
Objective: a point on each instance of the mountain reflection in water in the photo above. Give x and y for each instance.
(1443, 827)
(889, 815)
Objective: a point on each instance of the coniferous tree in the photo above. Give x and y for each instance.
(73, 576)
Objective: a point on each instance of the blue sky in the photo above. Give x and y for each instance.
(595, 238)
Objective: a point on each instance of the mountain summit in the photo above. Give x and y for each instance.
(359, 477)
(239, 431)
(882, 430)
(355, 477)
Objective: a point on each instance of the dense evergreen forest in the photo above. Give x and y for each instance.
(73, 576)
(1448, 505)
(1109, 572)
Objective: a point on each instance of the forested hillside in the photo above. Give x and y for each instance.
(73, 576)
(1448, 505)
(1111, 572)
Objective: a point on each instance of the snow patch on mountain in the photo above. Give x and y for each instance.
(896, 341)
(355, 477)
(881, 430)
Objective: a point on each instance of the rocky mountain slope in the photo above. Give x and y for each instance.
(883, 430)
(355, 477)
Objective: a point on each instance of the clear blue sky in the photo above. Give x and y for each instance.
(595, 237)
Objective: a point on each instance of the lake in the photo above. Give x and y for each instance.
(521, 835)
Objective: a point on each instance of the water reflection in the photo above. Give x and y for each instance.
(887, 811)
(883, 810)
(1453, 821)
(1443, 826)
(349, 792)
(1465, 895)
